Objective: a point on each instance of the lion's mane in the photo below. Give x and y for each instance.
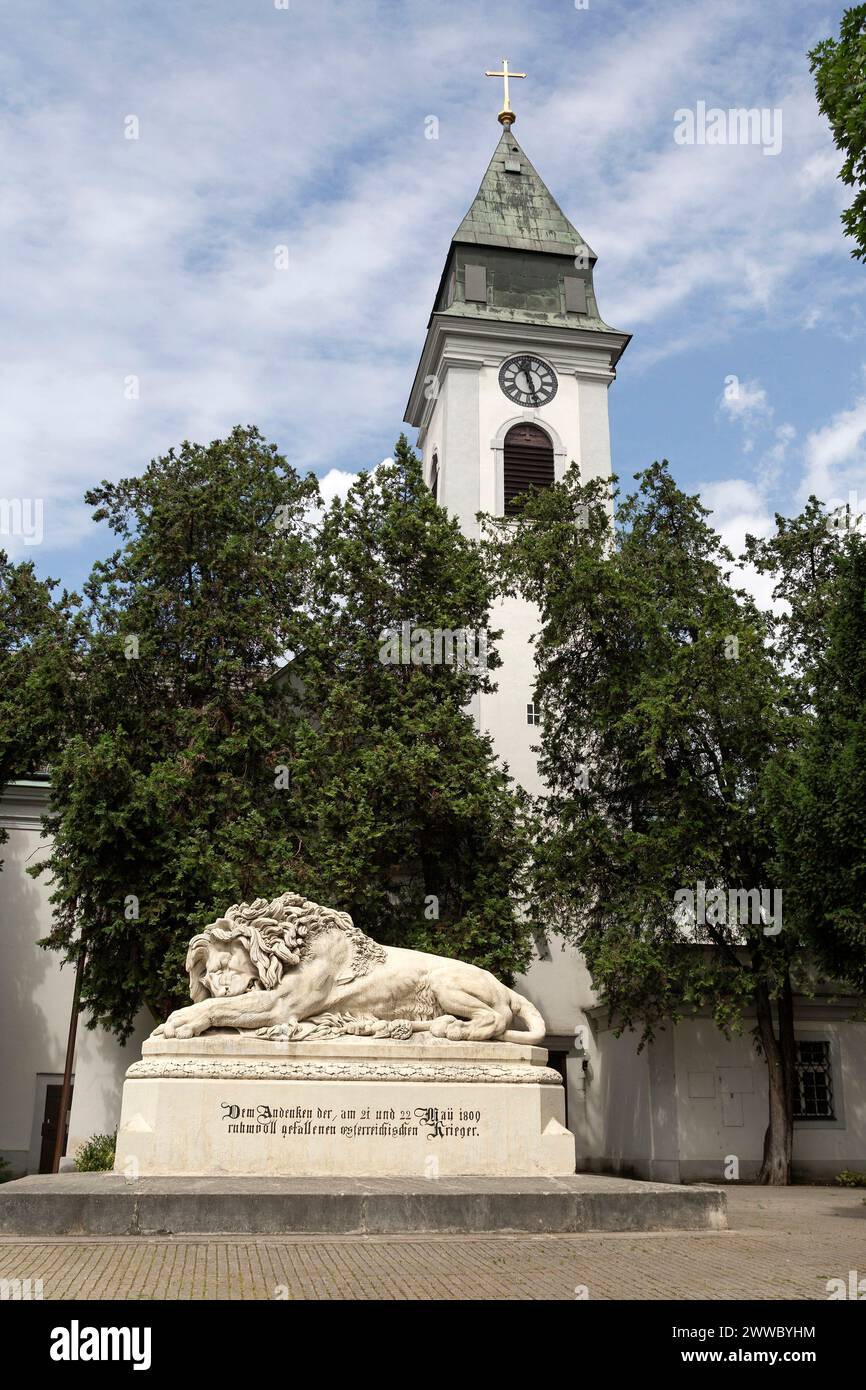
(276, 935)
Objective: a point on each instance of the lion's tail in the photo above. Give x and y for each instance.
(534, 1027)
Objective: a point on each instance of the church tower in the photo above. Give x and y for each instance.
(512, 388)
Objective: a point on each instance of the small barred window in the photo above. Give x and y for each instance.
(813, 1092)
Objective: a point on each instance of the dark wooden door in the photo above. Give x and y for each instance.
(50, 1121)
(559, 1061)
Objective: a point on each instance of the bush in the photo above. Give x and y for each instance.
(97, 1154)
(5, 1170)
(848, 1178)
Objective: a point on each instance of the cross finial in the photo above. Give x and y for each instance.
(506, 115)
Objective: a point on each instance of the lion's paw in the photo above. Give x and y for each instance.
(186, 1023)
(439, 1026)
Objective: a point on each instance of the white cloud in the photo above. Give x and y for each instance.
(835, 455)
(744, 400)
(739, 508)
(336, 483)
(769, 467)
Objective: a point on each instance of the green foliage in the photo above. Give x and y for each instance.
(660, 706)
(96, 1155)
(38, 633)
(663, 707)
(849, 1178)
(164, 805)
(5, 1170)
(412, 826)
(818, 791)
(204, 769)
(839, 68)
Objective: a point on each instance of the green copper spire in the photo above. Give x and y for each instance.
(514, 208)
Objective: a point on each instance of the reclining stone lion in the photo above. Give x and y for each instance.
(273, 965)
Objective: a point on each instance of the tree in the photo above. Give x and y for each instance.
(167, 800)
(411, 825)
(839, 67)
(662, 707)
(38, 636)
(204, 767)
(819, 787)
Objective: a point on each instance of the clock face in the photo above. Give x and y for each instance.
(527, 380)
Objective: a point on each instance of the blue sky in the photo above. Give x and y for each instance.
(305, 128)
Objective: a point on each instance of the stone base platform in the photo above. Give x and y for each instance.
(107, 1204)
(229, 1105)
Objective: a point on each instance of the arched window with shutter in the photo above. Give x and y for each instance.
(527, 464)
(434, 476)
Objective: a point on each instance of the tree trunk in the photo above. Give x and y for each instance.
(780, 1055)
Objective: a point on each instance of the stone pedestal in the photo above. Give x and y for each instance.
(230, 1105)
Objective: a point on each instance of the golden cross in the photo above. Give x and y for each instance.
(506, 115)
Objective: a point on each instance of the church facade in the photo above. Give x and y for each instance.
(512, 386)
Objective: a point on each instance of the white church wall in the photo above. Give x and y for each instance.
(561, 980)
(594, 425)
(503, 713)
(35, 1003)
(453, 433)
(100, 1067)
(35, 995)
(722, 1104)
(823, 1148)
(612, 1122)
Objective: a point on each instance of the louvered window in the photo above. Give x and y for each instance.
(528, 464)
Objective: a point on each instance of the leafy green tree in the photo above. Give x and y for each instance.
(411, 824)
(662, 707)
(39, 633)
(167, 800)
(819, 787)
(235, 730)
(839, 68)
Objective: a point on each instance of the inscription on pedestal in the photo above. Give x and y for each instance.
(431, 1121)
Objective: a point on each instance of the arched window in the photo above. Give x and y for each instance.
(528, 464)
(434, 477)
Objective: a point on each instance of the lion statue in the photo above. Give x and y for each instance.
(292, 969)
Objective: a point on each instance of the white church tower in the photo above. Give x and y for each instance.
(512, 387)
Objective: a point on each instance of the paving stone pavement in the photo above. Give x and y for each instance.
(782, 1244)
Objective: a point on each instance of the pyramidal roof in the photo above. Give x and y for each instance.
(515, 208)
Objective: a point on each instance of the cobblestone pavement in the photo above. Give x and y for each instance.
(782, 1244)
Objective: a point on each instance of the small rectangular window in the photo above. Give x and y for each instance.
(476, 284)
(813, 1091)
(532, 715)
(575, 295)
